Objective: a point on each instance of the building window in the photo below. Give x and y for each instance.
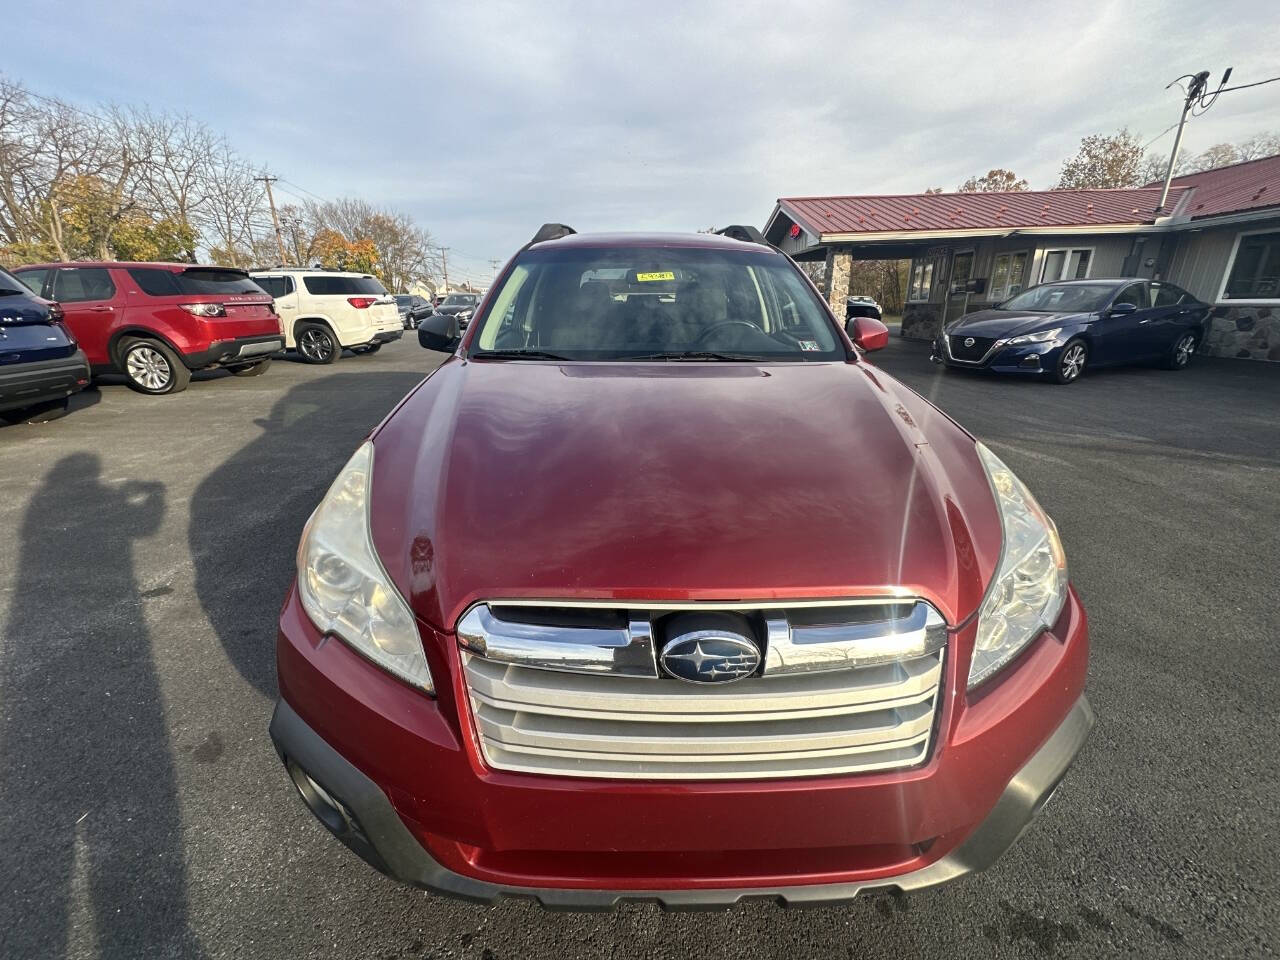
(921, 280)
(1254, 272)
(1065, 265)
(1008, 276)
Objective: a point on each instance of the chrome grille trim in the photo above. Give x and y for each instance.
(832, 701)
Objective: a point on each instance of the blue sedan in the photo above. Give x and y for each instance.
(1059, 330)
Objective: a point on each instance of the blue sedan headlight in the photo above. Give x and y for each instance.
(1041, 336)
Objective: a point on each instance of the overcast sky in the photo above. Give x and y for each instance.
(484, 120)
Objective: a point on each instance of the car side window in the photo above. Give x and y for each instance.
(33, 280)
(1134, 293)
(1167, 295)
(81, 284)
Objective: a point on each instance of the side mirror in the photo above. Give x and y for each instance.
(1122, 309)
(867, 333)
(439, 332)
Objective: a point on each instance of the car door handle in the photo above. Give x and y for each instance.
(101, 309)
(1144, 320)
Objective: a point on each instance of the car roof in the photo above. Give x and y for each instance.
(1092, 280)
(311, 271)
(711, 241)
(126, 264)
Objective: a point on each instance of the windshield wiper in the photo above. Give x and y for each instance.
(690, 355)
(519, 355)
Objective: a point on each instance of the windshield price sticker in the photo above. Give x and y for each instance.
(648, 277)
(810, 345)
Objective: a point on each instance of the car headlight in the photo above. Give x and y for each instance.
(342, 585)
(1026, 595)
(1043, 336)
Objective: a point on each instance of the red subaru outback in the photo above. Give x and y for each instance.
(656, 589)
(157, 322)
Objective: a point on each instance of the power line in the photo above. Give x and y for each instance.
(1246, 86)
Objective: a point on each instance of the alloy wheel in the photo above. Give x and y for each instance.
(315, 345)
(149, 368)
(1073, 362)
(1183, 349)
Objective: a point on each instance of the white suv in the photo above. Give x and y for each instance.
(325, 311)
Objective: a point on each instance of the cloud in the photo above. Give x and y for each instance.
(484, 120)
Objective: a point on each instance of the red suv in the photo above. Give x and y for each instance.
(157, 322)
(656, 589)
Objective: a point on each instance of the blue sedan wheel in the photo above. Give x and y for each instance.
(1071, 362)
(1183, 349)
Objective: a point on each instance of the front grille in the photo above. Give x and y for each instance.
(850, 690)
(976, 352)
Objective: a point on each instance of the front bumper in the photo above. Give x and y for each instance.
(1032, 358)
(231, 352)
(367, 823)
(27, 384)
(415, 799)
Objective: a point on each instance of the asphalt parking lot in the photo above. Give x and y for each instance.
(150, 541)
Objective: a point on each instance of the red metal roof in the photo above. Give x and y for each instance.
(1241, 186)
(976, 211)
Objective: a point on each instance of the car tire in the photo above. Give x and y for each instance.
(38, 413)
(317, 344)
(1072, 360)
(1183, 349)
(253, 369)
(152, 368)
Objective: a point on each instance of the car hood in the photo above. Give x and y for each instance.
(677, 481)
(1006, 323)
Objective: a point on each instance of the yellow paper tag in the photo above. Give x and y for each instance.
(664, 275)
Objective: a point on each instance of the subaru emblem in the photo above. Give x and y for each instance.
(710, 656)
(969, 341)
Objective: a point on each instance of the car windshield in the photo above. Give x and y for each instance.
(1061, 298)
(656, 303)
(403, 300)
(459, 300)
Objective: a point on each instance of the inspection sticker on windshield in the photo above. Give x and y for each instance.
(810, 345)
(662, 275)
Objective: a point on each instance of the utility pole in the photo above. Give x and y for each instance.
(294, 224)
(444, 265)
(495, 264)
(271, 201)
(1195, 94)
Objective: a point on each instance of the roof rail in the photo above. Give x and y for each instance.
(746, 234)
(552, 231)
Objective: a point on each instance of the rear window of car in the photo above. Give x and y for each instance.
(10, 284)
(343, 286)
(172, 283)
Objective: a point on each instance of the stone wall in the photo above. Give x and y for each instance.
(1249, 333)
(839, 267)
(921, 321)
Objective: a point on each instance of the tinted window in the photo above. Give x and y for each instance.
(634, 302)
(1061, 298)
(1134, 293)
(78, 284)
(1166, 295)
(32, 280)
(404, 300)
(1255, 274)
(171, 283)
(276, 286)
(343, 286)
